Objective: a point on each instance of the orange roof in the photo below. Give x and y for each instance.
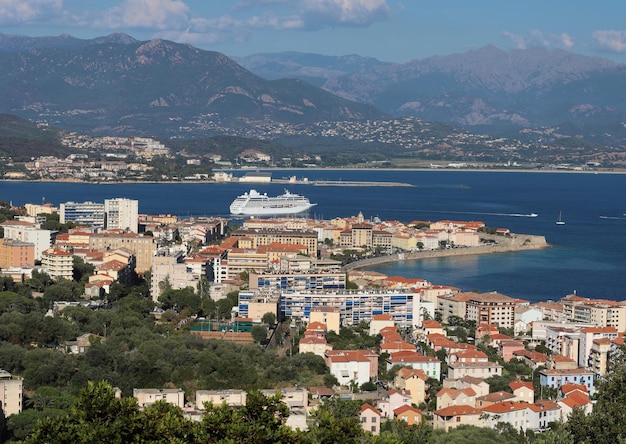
(454, 393)
(599, 330)
(506, 406)
(458, 410)
(576, 399)
(517, 384)
(382, 317)
(367, 406)
(406, 373)
(431, 324)
(570, 387)
(497, 397)
(406, 408)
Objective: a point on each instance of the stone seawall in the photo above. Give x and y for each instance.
(504, 244)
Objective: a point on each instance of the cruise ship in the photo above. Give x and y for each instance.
(254, 203)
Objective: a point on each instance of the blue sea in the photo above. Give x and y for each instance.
(587, 254)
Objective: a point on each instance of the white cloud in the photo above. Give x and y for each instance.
(317, 14)
(20, 12)
(535, 38)
(147, 14)
(610, 39)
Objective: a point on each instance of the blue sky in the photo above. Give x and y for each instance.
(389, 30)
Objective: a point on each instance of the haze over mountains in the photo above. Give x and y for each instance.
(116, 84)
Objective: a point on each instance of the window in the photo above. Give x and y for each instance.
(363, 419)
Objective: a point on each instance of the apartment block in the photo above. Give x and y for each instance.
(491, 308)
(10, 393)
(355, 306)
(58, 263)
(143, 247)
(82, 213)
(122, 214)
(15, 253)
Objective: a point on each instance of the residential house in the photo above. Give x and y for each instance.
(392, 400)
(352, 366)
(494, 398)
(147, 397)
(370, 419)
(413, 381)
(483, 370)
(233, 398)
(524, 391)
(409, 414)
(479, 385)
(431, 366)
(379, 322)
(553, 378)
(452, 396)
(456, 415)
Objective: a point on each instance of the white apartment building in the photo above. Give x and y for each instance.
(30, 233)
(121, 213)
(58, 263)
(82, 213)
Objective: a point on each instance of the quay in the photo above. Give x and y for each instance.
(341, 183)
(502, 244)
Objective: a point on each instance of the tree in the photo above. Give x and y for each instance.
(269, 318)
(607, 422)
(259, 333)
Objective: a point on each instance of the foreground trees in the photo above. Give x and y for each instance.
(99, 416)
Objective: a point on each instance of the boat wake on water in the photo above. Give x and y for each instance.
(488, 214)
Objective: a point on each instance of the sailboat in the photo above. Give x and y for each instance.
(560, 221)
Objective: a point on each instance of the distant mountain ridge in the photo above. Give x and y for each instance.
(487, 88)
(116, 84)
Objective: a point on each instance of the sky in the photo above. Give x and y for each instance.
(390, 30)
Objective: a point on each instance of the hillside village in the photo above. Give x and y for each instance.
(438, 355)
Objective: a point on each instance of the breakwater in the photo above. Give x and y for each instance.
(500, 244)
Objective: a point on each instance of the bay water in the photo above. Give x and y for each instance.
(587, 254)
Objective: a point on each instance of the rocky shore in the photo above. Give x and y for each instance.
(501, 244)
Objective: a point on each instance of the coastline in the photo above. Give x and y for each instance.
(617, 171)
(506, 244)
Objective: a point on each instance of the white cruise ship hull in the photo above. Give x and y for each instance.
(256, 204)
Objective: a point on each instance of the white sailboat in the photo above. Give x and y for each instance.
(560, 221)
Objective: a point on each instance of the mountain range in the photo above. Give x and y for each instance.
(118, 85)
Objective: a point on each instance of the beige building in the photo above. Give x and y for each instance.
(454, 304)
(15, 253)
(122, 214)
(491, 308)
(253, 238)
(173, 271)
(142, 246)
(456, 415)
(599, 356)
(10, 393)
(602, 313)
(379, 322)
(326, 315)
(147, 397)
(233, 398)
(414, 382)
(483, 370)
(58, 263)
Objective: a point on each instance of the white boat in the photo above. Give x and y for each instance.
(560, 221)
(254, 203)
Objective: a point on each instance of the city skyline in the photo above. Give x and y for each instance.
(389, 30)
